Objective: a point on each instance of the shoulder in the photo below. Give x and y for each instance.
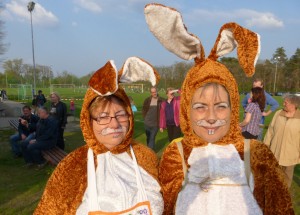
(144, 153)
(62, 103)
(52, 119)
(251, 106)
(171, 154)
(72, 166)
(66, 184)
(35, 117)
(146, 158)
(161, 99)
(261, 155)
(267, 94)
(77, 157)
(147, 99)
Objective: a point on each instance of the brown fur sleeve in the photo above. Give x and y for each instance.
(171, 176)
(66, 186)
(270, 190)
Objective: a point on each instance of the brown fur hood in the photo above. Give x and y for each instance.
(106, 81)
(167, 26)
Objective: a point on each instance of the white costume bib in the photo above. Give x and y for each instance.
(118, 185)
(216, 184)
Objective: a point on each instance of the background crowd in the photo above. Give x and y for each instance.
(40, 128)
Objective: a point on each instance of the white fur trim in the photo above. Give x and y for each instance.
(258, 49)
(135, 69)
(167, 26)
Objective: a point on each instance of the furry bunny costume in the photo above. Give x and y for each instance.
(267, 192)
(67, 191)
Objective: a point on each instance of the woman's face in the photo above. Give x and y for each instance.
(54, 98)
(110, 131)
(288, 106)
(210, 113)
(170, 95)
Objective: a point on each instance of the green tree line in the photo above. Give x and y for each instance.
(280, 73)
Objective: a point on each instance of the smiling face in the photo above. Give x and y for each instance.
(109, 121)
(210, 112)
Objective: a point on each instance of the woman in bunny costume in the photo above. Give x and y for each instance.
(213, 170)
(125, 179)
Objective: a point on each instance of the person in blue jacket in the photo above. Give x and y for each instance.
(45, 139)
(270, 101)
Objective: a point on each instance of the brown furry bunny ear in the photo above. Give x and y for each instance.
(248, 43)
(167, 26)
(137, 69)
(104, 80)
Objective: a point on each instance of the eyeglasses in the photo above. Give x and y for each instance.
(104, 120)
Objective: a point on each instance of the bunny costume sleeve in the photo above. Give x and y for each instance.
(270, 194)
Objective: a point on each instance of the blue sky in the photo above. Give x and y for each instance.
(80, 36)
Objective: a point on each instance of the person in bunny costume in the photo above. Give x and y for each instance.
(212, 169)
(112, 173)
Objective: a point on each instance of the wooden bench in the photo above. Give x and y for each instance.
(53, 156)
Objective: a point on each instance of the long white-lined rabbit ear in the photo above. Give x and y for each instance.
(167, 26)
(232, 35)
(136, 69)
(104, 81)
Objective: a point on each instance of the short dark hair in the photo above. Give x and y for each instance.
(26, 107)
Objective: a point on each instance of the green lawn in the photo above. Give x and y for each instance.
(21, 188)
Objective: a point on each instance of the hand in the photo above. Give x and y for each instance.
(32, 141)
(23, 122)
(241, 126)
(174, 91)
(161, 130)
(23, 136)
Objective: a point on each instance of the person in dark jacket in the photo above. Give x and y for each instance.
(26, 129)
(151, 116)
(40, 99)
(45, 138)
(59, 111)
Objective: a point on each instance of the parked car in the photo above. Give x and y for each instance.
(297, 94)
(278, 93)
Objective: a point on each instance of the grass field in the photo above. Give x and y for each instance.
(21, 188)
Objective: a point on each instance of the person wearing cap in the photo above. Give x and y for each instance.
(213, 169)
(112, 173)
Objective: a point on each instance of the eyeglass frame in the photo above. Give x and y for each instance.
(97, 119)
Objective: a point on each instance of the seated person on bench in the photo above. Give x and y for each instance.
(45, 138)
(26, 129)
